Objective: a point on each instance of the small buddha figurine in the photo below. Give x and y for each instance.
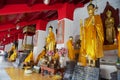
(50, 40)
(56, 55)
(70, 47)
(110, 29)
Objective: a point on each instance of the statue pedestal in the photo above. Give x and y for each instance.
(110, 47)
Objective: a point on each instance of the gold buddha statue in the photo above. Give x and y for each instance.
(118, 37)
(41, 55)
(110, 29)
(29, 59)
(11, 51)
(13, 56)
(93, 39)
(82, 56)
(70, 47)
(50, 40)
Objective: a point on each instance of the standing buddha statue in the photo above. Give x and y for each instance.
(70, 47)
(50, 40)
(94, 36)
(110, 29)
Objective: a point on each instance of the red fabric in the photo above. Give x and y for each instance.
(23, 8)
(41, 25)
(20, 36)
(67, 11)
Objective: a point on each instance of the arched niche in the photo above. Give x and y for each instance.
(115, 15)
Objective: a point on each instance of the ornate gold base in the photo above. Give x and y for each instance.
(110, 47)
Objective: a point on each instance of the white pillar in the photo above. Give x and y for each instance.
(39, 42)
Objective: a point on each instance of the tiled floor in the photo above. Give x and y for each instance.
(8, 72)
(4, 75)
(18, 74)
(4, 64)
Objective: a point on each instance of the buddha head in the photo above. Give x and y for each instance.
(108, 13)
(91, 9)
(71, 38)
(118, 27)
(50, 28)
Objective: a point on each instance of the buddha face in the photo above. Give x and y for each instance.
(71, 38)
(108, 13)
(50, 29)
(118, 29)
(91, 10)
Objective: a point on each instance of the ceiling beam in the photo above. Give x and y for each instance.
(2, 3)
(35, 16)
(31, 2)
(13, 26)
(23, 8)
(18, 18)
(6, 27)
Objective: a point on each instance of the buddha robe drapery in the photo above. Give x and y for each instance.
(50, 45)
(71, 54)
(29, 58)
(11, 51)
(94, 37)
(119, 44)
(55, 56)
(40, 56)
(82, 56)
(13, 56)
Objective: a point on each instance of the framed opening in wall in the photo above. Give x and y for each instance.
(60, 32)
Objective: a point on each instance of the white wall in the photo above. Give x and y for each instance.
(69, 29)
(27, 39)
(54, 24)
(40, 43)
(81, 13)
(8, 47)
(20, 47)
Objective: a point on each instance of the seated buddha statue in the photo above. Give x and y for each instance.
(13, 56)
(11, 51)
(56, 55)
(110, 29)
(41, 55)
(29, 59)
